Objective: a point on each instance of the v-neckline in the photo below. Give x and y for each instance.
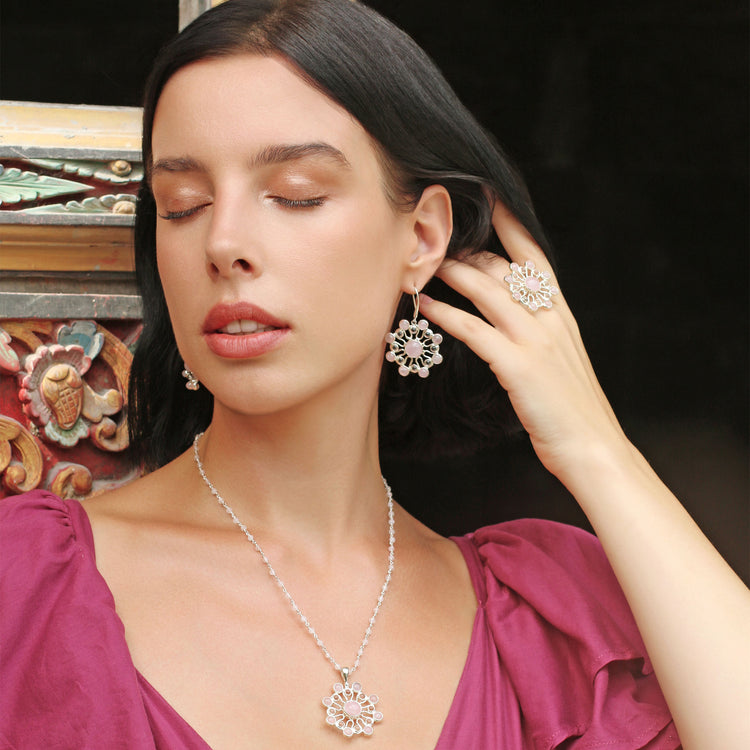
(471, 559)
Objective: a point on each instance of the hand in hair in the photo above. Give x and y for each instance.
(539, 358)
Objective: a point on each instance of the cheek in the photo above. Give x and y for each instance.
(177, 256)
(356, 278)
(357, 245)
(178, 277)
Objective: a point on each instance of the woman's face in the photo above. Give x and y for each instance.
(280, 256)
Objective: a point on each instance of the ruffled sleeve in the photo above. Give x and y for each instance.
(567, 638)
(66, 677)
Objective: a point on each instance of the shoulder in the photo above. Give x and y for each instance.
(549, 537)
(29, 504)
(560, 574)
(153, 497)
(38, 525)
(565, 634)
(48, 559)
(538, 558)
(539, 532)
(67, 677)
(531, 553)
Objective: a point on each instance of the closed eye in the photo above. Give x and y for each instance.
(172, 215)
(304, 203)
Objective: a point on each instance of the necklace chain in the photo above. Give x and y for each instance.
(310, 629)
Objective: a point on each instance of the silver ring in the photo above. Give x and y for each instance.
(531, 287)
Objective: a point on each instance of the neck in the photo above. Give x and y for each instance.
(311, 472)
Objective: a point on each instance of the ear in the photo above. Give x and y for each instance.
(431, 226)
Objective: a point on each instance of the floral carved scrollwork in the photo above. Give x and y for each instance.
(9, 361)
(28, 332)
(18, 186)
(118, 171)
(107, 434)
(122, 203)
(16, 439)
(70, 480)
(55, 395)
(63, 406)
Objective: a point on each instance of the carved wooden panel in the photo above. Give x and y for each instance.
(69, 312)
(63, 405)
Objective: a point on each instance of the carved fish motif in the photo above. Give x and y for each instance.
(62, 390)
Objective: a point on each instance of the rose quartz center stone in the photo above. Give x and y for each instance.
(352, 708)
(413, 348)
(533, 284)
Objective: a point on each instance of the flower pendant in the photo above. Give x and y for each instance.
(351, 710)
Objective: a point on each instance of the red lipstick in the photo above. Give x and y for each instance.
(242, 345)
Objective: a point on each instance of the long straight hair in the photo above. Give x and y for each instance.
(423, 135)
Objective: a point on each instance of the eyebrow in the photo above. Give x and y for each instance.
(277, 154)
(282, 153)
(180, 164)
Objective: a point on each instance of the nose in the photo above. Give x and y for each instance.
(230, 248)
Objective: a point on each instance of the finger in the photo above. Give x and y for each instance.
(484, 286)
(512, 362)
(481, 337)
(480, 283)
(515, 238)
(491, 263)
(517, 358)
(500, 268)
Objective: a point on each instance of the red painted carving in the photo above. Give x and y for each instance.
(70, 480)
(15, 440)
(63, 410)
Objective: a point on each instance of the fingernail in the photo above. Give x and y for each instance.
(425, 300)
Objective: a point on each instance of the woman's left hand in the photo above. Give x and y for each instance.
(538, 357)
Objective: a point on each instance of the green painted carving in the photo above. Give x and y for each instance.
(104, 204)
(17, 186)
(117, 172)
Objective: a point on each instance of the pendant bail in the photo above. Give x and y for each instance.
(345, 676)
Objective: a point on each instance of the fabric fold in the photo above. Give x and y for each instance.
(568, 641)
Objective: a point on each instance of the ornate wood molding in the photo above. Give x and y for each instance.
(69, 176)
(50, 131)
(65, 246)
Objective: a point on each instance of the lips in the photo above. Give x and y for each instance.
(220, 316)
(241, 330)
(244, 327)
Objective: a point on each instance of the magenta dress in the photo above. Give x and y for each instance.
(555, 659)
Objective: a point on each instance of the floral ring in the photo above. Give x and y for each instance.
(530, 287)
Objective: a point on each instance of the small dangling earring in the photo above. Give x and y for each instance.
(413, 346)
(192, 382)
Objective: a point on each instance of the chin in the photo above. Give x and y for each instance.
(259, 395)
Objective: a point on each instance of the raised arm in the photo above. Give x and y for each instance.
(692, 610)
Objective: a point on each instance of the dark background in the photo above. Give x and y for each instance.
(630, 122)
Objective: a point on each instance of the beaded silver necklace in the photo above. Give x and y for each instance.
(348, 708)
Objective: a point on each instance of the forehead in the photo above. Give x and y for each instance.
(244, 103)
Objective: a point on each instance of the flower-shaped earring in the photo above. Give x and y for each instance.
(413, 346)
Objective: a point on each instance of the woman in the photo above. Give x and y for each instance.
(309, 172)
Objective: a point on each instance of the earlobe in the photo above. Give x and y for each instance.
(432, 226)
